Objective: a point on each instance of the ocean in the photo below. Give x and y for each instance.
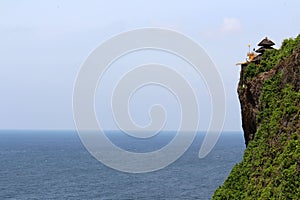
(55, 165)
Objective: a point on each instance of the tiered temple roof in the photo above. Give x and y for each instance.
(264, 45)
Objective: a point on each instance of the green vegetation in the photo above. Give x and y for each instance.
(270, 168)
(271, 58)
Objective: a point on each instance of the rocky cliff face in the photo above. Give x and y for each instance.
(250, 90)
(269, 94)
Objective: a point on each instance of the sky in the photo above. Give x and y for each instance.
(44, 43)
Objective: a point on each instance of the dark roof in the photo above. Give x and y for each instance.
(262, 49)
(266, 42)
(256, 59)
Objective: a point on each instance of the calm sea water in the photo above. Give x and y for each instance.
(55, 165)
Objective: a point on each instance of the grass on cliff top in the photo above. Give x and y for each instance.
(271, 58)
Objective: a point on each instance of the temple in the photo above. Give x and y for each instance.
(264, 45)
(255, 55)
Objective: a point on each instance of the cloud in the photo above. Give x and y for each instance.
(231, 25)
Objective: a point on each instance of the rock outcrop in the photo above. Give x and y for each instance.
(269, 94)
(250, 90)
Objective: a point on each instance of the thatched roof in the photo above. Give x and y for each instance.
(266, 42)
(262, 49)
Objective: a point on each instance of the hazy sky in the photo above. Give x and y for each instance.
(44, 43)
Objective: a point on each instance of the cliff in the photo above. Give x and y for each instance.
(269, 94)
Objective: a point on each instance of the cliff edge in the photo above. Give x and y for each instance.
(269, 94)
